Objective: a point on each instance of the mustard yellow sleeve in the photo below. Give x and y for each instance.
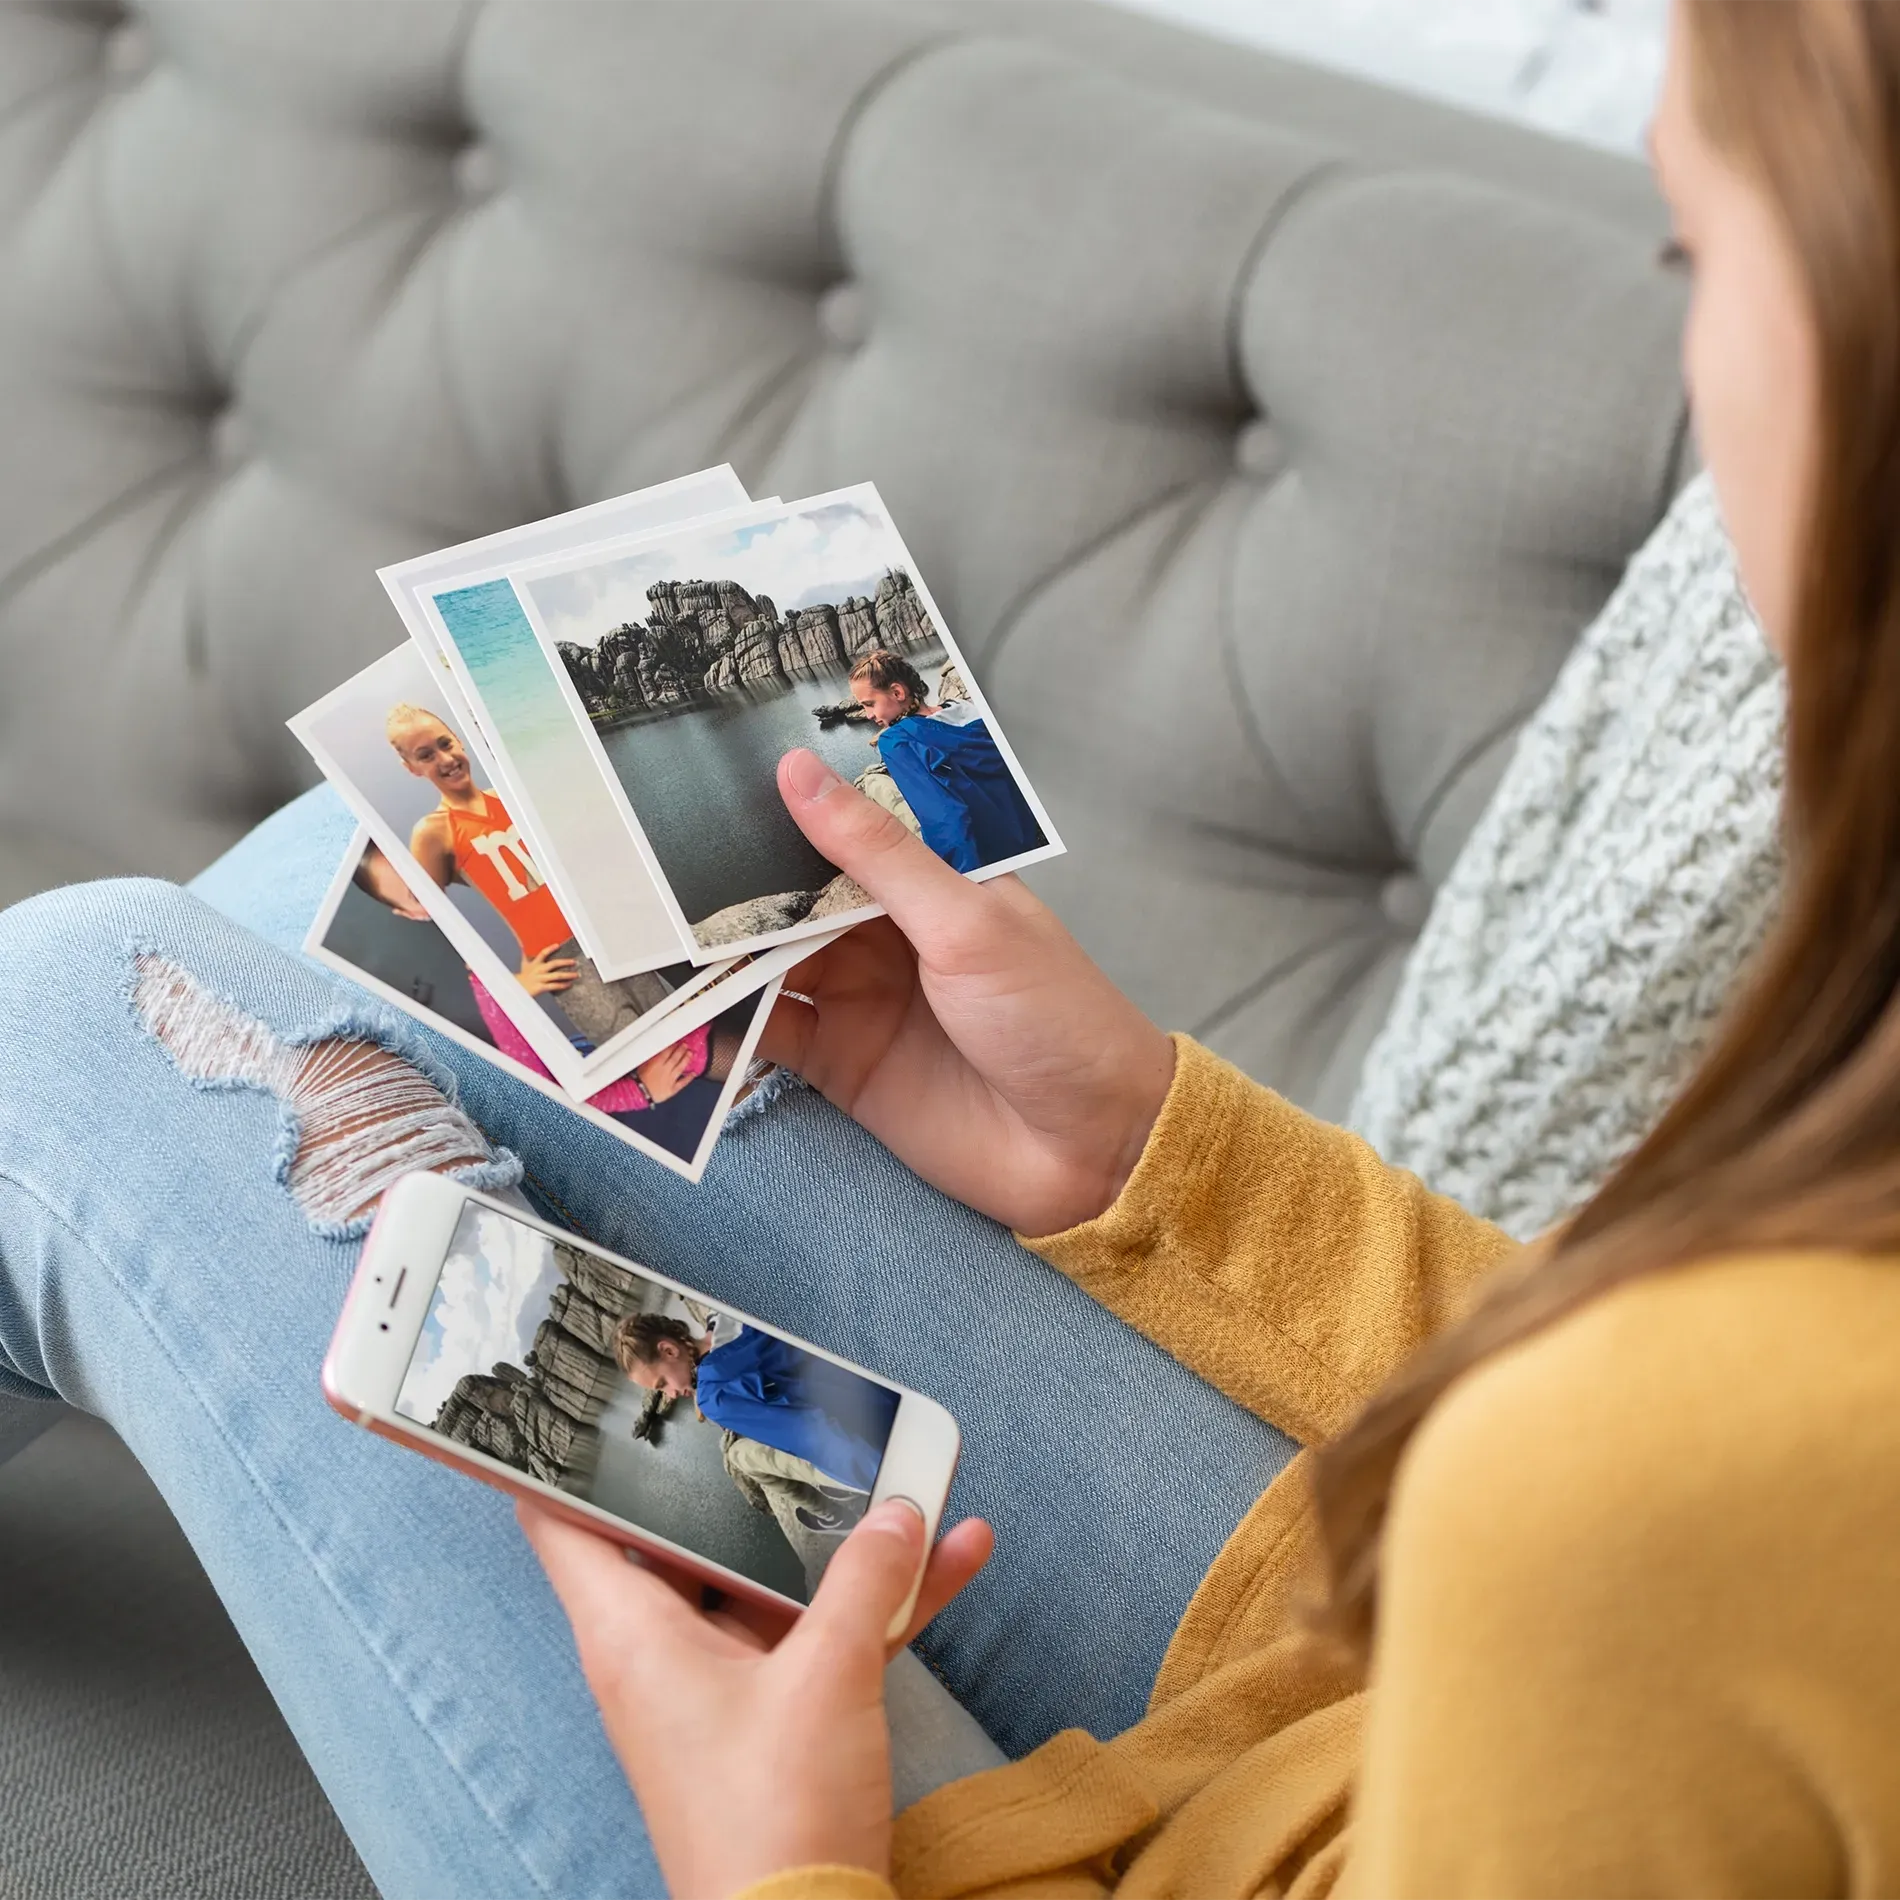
(1275, 1255)
(819, 1883)
(1636, 1628)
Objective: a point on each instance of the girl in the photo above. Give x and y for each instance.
(1604, 1535)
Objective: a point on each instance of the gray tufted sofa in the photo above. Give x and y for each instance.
(1269, 439)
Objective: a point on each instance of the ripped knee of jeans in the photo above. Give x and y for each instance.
(356, 1115)
(764, 1084)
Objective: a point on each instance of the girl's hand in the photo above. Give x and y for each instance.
(538, 975)
(378, 877)
(967, 1030)
(747, 1759)
(664, 1075)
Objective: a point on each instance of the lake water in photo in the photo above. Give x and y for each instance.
(704, 784)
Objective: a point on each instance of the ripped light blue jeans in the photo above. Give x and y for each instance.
(164, 1265)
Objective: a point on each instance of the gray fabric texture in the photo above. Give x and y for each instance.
(1380, 127)
(141, 1756)
(1605, 908)
(1267, 440)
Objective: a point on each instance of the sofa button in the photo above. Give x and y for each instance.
(1406, 900)
(844, 316)
(129, 51)
(231, 439)
(1259, 452)
(476, 169)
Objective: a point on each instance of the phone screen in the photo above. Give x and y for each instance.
(664, 1410)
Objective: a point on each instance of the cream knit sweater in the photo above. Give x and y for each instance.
(1596, 921)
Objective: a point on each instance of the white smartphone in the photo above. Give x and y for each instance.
(716, 1446)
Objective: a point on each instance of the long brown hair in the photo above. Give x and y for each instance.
(1789, 1133)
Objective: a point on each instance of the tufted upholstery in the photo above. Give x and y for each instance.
(1266, 475)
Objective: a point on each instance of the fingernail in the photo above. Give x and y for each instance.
(810, 777)
(902, 1516)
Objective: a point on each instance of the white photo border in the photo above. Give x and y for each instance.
(420, 596)
(411, 583)
(861, 494)
(578, 1074)
(316, 946)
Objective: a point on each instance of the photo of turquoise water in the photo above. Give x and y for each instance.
(609, 888)
(516, 684)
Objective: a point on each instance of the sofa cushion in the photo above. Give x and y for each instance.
(1265, 475)
(1266, 540)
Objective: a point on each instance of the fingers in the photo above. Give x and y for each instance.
(668, 1066)
(863, 839)
(595, 1583)
(623, 1605)
(802, 978)
(867, 1584)
(785, 1040)
(540, 974)
(961, 1552)
(828, 1000)
(787, 1036)
(757, 1625)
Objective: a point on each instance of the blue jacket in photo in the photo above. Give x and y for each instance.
(961, 789)
(783, 1396)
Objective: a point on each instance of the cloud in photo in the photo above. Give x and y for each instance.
(801, 557)
(495, 1288)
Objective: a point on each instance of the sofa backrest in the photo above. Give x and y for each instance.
(1265, 471)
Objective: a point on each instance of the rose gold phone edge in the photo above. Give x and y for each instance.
(929, 1423)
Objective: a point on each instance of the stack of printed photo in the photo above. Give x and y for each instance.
(572, 856)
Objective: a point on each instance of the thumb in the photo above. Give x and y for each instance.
(864, 1601)
(899, 870)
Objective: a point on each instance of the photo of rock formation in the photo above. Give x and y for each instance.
(542, 1418)
(703, 638)
(511, 1416)
(690, 663)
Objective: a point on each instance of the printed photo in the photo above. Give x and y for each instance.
(686, 499)
(372, 929)
(681, 1418)
(622, 922)
(395, 747)
(691, 661)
